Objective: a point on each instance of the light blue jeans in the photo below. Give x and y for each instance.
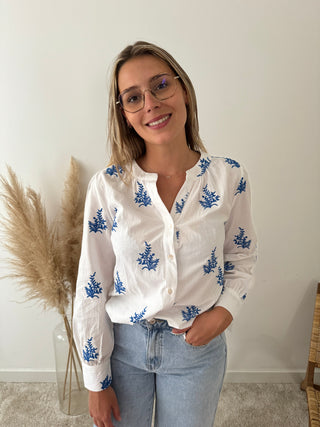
(149, 362)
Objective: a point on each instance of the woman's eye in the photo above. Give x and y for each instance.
(161, 85)
(133, 99)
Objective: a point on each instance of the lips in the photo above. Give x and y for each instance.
(159, 121)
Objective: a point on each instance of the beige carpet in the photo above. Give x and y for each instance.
(245, 405)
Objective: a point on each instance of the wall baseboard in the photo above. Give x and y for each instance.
(294, 377)
(289, 377)
(27, 376)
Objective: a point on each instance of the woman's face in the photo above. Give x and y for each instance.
(158, 122)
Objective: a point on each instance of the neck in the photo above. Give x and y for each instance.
(168, 161)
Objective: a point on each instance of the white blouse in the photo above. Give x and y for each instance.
(140, 261)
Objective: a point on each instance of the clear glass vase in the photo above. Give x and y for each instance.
(73, 397)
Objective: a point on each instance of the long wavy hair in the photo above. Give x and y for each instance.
(126, 145)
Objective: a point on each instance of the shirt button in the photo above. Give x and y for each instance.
(152, 321)
(171, 257)
(170, 291)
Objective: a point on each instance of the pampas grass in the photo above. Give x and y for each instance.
(44, 257)
(71, 222)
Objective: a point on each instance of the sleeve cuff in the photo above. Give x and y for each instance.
(231, 301)
(97, 377)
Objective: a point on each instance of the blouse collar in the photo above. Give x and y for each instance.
(192, 173)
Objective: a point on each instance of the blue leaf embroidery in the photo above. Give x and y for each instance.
(142, 198)
(178, 235)
(113, 171)
(98, 224)
(231, 162)
(191, 312)
(211, 264)
(146, 258)
(106, 382)
(138, 316)
(244, 296)
(204, 164)
(114, 223)
(228, 266)
(219, 277)
(241, 240)
(241, 187)
(118, 285)
(94, 288)
(180, 206)
(90, 352)
(209, 198)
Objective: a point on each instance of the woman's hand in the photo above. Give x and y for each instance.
(101, 405)
(206, 326)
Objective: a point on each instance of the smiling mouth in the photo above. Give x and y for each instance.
(158, 122)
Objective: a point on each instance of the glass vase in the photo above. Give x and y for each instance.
(73, 397)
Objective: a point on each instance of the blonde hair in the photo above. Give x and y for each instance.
(126, 145)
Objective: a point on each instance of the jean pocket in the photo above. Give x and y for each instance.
(215, 341)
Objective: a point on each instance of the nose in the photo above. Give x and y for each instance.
(150, 101)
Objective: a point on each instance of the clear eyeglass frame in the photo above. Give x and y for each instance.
(118, 102)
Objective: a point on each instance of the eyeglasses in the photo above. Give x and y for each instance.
(162, 87)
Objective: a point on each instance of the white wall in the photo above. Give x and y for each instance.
(255, 65)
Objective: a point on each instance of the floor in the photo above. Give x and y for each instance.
(245, 405)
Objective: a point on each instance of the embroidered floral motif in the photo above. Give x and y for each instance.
(228, 266)
(147, 260)
(244, 296)
(219, 277)
(210, 198)
(180, 206)
(98, 224)
(114, 223)
(211, 264)
(241, 240)
(138, 316)
(204, 164)
(113, 171)
(90, 352)
(142, 198)
(231, 162)
(118, 285)
(106, 382)
(190, 313)
(94, 288)
(241, 187)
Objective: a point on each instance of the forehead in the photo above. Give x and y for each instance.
(139, 70)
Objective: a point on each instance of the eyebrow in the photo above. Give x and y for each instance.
(150, 80)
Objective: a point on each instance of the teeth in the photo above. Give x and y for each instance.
(159, 121)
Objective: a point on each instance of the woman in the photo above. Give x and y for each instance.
(167, 255)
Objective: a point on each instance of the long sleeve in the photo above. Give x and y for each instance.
(240, 247)
(93, 330)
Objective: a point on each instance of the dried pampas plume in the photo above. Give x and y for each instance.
(44, 257)
(71, 222)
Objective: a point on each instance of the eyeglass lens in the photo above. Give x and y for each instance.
(162, 87)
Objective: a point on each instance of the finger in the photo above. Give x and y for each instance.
(179, 331)
(116, 411)
(108, 423)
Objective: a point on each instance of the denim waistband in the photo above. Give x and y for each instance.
(154, 324)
